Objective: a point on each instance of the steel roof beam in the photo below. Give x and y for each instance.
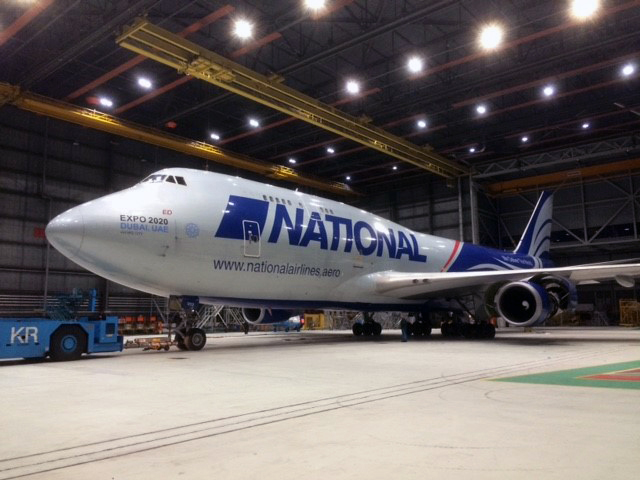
(191, 59)
(10, 94)
(24, 20)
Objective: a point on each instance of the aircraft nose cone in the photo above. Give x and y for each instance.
(66, 231)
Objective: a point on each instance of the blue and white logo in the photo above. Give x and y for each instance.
(192, 230)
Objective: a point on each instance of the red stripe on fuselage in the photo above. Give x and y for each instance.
(456, 247)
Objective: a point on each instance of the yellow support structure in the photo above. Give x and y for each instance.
(13, 95)
(186, 57)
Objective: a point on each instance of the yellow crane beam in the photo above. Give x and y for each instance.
(189, 58)
(13, 95)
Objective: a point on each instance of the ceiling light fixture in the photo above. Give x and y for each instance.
(254, 123)
(330, 150)
(214, 136)
(144, 82)
(491, 36)
(583, 9)
(415, 64)
(628, 70)
(422, 124)
(353, 87)
(292, 161)
(585, 125)
(314, 5)
(548, 90)
(242, 28)
(524, 139)
(481, 109)
(106, 102)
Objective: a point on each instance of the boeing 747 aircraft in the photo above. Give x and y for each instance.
(214, 238)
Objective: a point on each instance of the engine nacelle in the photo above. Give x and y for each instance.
(523, 304)
(256, 316)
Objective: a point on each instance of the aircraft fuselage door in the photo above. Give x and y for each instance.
(251, 238)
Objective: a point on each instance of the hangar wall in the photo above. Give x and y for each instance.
(49, 166)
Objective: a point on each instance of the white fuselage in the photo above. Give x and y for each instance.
(242, 242)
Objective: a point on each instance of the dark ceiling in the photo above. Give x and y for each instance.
(60, 50)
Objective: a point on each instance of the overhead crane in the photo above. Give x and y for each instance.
(189, 58)
(11, 94)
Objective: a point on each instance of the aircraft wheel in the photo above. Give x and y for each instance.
(196, 339)
(67, 343)
(357, 329)
(377, 329)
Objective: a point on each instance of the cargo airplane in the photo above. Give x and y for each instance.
(273, 252)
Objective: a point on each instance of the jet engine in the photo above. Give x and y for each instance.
(256, 316)
(531, 302)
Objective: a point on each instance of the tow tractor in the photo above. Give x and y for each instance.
(62, 333)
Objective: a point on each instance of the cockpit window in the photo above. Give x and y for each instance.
(181, 181)
(155, 178)
(170, 179)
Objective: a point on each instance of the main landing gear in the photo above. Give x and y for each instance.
(421, 327)
(369, 327)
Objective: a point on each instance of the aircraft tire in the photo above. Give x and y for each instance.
(357, 329)
(67, 343)
(196, 339)
(377, 329)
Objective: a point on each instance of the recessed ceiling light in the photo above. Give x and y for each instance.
(524, 139)
(491, 36)
(472, 150)
(353, 87)
(481, 109)
(254, 123)
(292, 160)
(585, 125)
(242, 28)
(144, 82)
(330, 150)
(214, 136)
(583, 9)
(106, 102)
(548, 90)
(422, 124)
(395, 167)
(628, 70)
(415, 64)
(348, 178)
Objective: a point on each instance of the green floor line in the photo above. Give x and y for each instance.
(577, 377)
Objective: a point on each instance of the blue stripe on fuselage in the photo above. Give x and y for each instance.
(240, 209)
(476, 258)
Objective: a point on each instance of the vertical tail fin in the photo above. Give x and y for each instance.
(536, 238)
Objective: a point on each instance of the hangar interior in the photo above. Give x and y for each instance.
(554, 104)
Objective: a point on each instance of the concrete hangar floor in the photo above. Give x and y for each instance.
(331, 406)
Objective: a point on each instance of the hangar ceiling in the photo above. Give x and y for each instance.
(66, 50)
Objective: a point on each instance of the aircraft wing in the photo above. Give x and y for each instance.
(417, 286)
